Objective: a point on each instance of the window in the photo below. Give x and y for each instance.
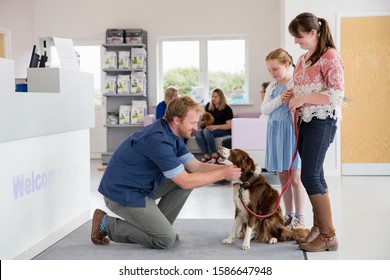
(90, 61)
(198, 65)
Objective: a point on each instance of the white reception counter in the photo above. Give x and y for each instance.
(44, 158)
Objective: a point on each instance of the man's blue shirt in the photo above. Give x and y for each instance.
(141, 162)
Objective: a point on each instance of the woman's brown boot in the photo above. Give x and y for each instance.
(326, 239)
(314, 232)
(323, 242)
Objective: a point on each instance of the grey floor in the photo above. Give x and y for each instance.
(361, 212)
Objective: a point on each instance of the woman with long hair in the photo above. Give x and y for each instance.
(318, 93)
(223, 115)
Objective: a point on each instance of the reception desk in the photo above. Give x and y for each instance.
(44, 158)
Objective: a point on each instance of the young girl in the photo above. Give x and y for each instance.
(223, 116)
(280, 136)
(318, 93)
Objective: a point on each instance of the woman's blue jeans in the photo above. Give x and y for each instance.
(314, 140)
(206, 139)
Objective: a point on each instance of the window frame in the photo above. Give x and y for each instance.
(203, 62)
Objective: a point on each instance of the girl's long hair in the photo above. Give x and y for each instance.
(306, 22)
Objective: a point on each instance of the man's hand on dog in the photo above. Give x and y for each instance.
(232, 173)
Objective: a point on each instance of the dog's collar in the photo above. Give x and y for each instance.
(246, 185)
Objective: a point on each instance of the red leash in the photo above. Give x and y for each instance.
(289, 176)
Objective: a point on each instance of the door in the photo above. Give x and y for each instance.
(2, 46)
(365, 129)
(5, 48)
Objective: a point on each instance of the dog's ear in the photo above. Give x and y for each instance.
(248, 163)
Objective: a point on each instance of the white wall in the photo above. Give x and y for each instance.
(17, 17)
(88, 19)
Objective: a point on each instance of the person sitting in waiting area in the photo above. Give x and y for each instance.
(223, 115)
(170, 93)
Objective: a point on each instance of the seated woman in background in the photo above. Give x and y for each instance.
(170, 93)
(223, 115)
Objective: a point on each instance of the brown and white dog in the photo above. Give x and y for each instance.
(260, 198)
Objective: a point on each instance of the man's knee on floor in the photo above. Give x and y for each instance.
(164, 242)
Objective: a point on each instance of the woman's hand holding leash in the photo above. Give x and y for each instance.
(296, 103)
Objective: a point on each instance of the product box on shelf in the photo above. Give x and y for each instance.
(134, 36)
(138, 58)
(124, 114)
(115, 36)
(110, 60)
(112, 118)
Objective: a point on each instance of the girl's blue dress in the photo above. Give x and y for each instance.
(280, 137)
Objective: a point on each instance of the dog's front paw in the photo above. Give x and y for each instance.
(273, 240)
(227, 241)
(245, 246)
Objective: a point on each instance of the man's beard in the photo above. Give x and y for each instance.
(184, 133)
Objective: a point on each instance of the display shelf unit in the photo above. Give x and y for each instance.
(117, 133)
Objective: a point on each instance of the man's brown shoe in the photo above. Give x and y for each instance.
(98, 236)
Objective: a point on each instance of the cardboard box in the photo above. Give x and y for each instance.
(134, 36)
(114, 36)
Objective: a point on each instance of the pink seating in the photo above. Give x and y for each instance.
(149, 119)
(247, 115)
(250, 135)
